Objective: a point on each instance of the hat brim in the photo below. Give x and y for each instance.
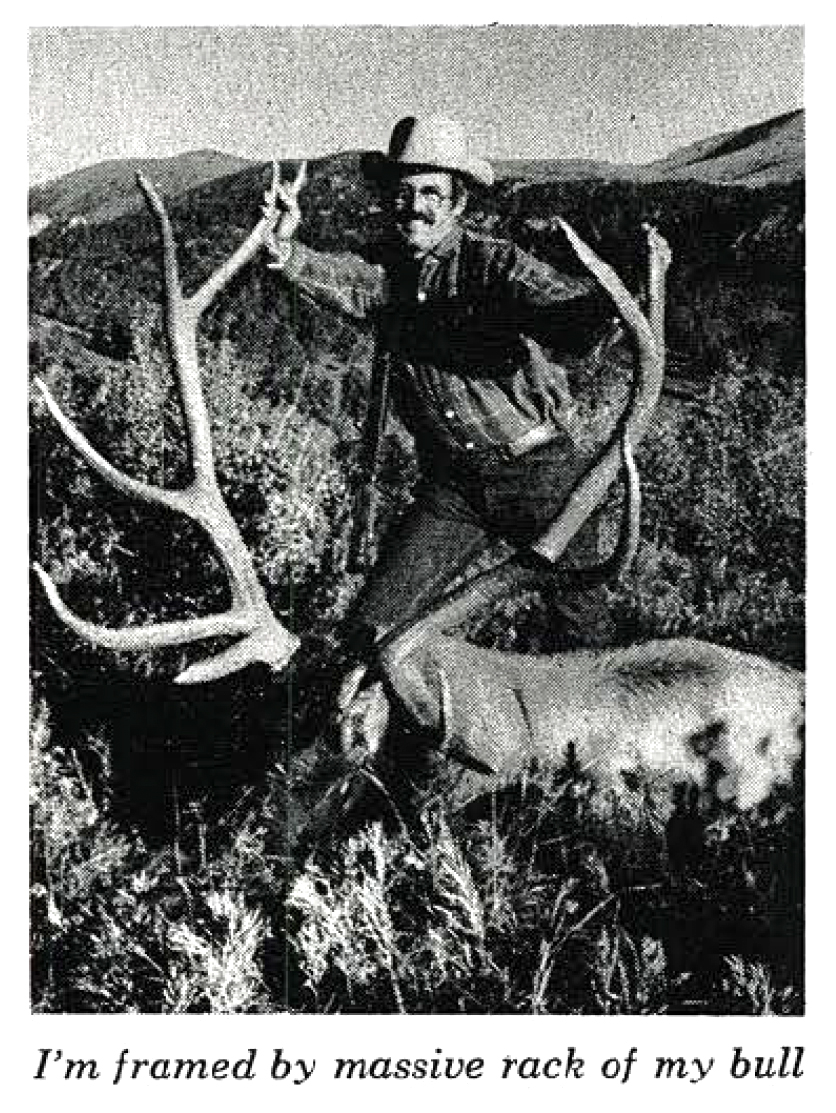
(382, 170)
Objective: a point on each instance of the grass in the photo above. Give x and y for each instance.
(551, 901)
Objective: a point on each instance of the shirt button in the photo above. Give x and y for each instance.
(469, 445)
(450, 414)
(422, 295)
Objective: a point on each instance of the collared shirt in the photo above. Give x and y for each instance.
(462, 325)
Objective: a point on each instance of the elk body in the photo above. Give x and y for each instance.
(728, 721)
(671, 710)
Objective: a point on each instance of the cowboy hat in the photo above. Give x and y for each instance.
(434, 143)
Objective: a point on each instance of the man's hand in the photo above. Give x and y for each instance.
(362, 715)
(281, 207)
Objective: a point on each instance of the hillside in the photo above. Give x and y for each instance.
(568, 169)
(767, 153)
(108, 190)
(763, 154)
(771, 152)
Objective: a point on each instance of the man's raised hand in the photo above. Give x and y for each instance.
(281, 205)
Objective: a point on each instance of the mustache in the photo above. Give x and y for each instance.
(415, 217)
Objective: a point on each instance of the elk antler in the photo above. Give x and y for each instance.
(648, 335)
(262, 638)
(589, 491)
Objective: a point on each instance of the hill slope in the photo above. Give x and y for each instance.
(768, 153)
(108, 189)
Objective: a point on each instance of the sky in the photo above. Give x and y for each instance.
(626, 94)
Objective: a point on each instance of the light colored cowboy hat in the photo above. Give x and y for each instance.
(434, 143)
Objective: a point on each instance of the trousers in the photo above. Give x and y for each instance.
(461, 509)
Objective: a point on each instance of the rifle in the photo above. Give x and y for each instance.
(362, 538)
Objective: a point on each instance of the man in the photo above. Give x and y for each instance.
(458, 316)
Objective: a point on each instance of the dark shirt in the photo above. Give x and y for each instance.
(459, 323)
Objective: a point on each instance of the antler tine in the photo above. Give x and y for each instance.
(203, 298)
(629, 536)
(267, 640)
(272, 191)
(619, 562)
(301, 176)
(126, 484)
(589, 492)
(171, 271)
(155, 636)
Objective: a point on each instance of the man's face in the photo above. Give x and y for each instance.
(423, 210)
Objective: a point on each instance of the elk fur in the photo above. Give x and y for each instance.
(673, 710)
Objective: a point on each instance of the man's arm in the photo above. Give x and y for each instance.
(565, 313)
(345, 282)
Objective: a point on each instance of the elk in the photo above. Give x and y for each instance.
(726, 721)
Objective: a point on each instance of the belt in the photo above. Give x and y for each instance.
(535, 438)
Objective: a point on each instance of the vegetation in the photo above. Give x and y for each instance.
(163, 870)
